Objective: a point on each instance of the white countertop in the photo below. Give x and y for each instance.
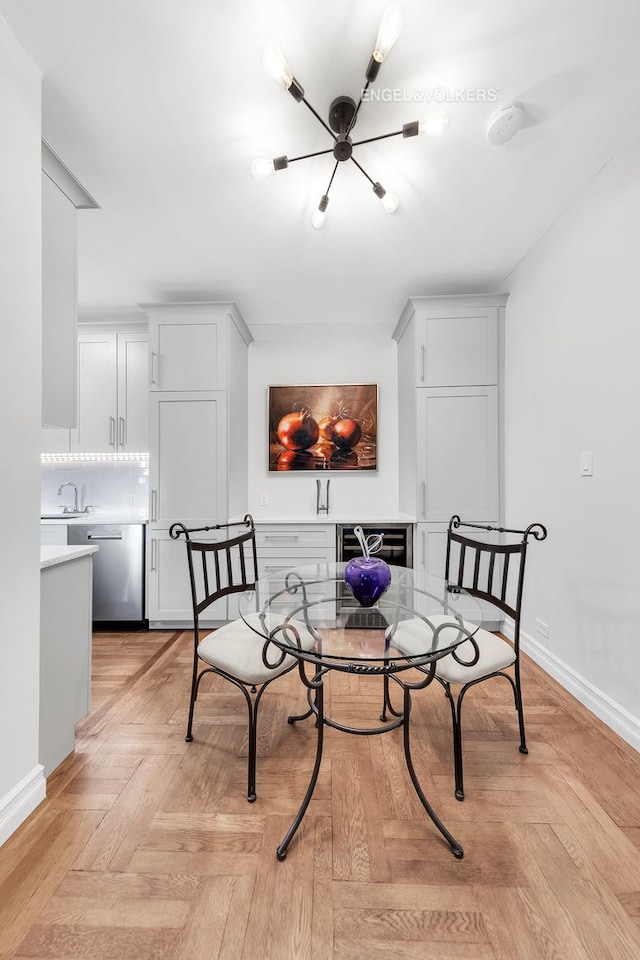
(52, 555)
(336, 518)
(97, 517)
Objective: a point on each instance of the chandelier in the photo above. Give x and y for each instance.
(343, 113)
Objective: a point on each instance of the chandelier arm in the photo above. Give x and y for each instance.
(319, 118)
(383, 136)
(363, 171)
(326, 193)
(305, 156)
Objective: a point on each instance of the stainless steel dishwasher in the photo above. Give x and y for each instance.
(118, 569)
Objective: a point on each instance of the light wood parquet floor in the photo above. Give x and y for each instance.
(147, 848)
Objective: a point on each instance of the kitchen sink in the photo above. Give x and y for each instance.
(62, 516)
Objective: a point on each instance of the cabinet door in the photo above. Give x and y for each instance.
(133, 392)
(458, 467)
(59, 308)
(187, 461)
(431, 558)
(187, 353)
(97, 398)
(459, 348)
(168, 590)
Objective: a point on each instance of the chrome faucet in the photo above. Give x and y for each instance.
(73, 509)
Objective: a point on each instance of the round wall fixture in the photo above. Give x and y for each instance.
(505, 123)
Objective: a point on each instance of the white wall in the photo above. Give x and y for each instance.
(21, 785)
(571, 385)
(355, 353)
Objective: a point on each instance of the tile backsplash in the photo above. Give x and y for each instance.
(120, 488)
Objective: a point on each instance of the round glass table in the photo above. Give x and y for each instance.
(310, 614)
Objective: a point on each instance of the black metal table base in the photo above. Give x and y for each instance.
(315, 695)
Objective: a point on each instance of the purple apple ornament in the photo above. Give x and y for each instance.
(367, 576)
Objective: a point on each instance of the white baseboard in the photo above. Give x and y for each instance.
(616, 717)
(22, 800)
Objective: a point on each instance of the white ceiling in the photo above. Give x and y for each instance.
(159, 107)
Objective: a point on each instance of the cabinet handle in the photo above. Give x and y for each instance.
(154, 368)
(154, 505)
(278, 536)
(154, 553)
(112, 431)
(423, 488)
(121, 432)
(423, 547)
(422, 362)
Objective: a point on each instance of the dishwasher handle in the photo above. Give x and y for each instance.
(104, 536)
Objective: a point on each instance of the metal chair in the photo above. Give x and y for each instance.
(233, 651)
(494, 573)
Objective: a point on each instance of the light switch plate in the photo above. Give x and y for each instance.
(586, 464)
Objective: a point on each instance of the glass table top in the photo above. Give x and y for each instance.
(311, 612)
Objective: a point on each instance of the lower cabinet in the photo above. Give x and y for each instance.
(168, 589)
(53, 534)
(65, 656)
(431, 554)
(282, 546)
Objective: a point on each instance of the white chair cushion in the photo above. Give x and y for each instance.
(495, 653)
(237, 650)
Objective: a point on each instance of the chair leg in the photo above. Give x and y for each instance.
(252, 706)
(192, 701)
(252, 750)
(518, 698)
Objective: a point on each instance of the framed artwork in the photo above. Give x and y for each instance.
(331, 427)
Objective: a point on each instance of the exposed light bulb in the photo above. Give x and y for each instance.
(276, 66)
(320, 215)
(262, 168)
(388, 33)
(390, 202)
(434, 125)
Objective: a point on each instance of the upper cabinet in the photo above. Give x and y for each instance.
(188, 346)
(454, 340)
(62, 196)
(112, 393)
(59, 308)
(448, 406)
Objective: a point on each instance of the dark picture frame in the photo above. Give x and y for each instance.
(326, 427)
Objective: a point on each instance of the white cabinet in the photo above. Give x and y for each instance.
(169, 592)
(53, 534)
(457, 470)
(197, 439)
(133, 392)
(456, 346)
(285, 545)
(189, 346)
(65, 656)
(112, 393)
(187, 464)
(59, 311)
(449, 415)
